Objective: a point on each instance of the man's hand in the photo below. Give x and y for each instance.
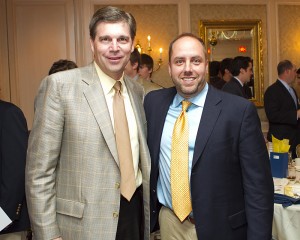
(57, 238)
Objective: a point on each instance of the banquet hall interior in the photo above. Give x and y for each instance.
(34, 34)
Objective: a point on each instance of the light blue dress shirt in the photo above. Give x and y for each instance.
(194, 116)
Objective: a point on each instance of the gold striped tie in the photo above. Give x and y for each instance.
(180, 187)
(128, 185)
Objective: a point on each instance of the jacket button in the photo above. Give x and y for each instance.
(117, 185)
(154, 190)
(115, 214)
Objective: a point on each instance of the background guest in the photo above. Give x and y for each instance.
(145, 72)
(296, 84)
(13, 147)
(225, 66)
(214, 75)
(62, 65)
(133, 65)
(282, 106)
(241, 70)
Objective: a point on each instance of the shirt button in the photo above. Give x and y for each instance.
(117, 185)
(115, 214)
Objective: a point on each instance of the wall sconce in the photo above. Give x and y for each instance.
(149, 51)
(213, 40)
(159, 62)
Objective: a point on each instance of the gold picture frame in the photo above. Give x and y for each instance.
(209, 30)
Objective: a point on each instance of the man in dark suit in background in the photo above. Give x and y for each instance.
(241, 70)
(14, 138)
(227, 169)
(282, 106)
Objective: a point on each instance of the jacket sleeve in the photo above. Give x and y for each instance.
(42, 159)
(257, 177)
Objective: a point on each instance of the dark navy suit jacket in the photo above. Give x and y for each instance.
(231, 183)
(234, 87)
(13, 148)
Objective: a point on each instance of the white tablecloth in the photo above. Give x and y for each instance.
(286, 222)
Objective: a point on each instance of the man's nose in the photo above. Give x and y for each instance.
(114, 45)
(187, 66)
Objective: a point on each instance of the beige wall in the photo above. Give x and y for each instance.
(41, 31)
(289, 33)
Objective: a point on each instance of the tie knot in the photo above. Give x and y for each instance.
(185, 105)
(117, 86)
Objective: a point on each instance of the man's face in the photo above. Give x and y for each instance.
(131, 69)
(188, 66)
(298, 79)
(112, 48)
(145, 72)
(291, 75)
(247, 73)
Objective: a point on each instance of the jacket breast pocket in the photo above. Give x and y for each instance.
(69, 207)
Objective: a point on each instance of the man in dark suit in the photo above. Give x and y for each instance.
(229, 178)
(282, 106)
(14, 138)
(241, 70)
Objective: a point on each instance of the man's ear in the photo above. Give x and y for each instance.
(92, 45)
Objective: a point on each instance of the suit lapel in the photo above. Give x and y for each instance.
(210, 114)
(96, 100)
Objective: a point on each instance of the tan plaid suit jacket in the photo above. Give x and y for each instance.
(72, 172)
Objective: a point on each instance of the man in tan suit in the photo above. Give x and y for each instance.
(72, 174)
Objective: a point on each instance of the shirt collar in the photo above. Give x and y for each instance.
(239, 81)
(198, 100)
(285, 84)
(106, 81)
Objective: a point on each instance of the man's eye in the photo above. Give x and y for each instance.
(197, 61)
(179, 62)
(105, 40)
(123, 40)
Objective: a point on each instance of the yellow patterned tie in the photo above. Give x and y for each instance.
(128, 185)
(180, 187)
